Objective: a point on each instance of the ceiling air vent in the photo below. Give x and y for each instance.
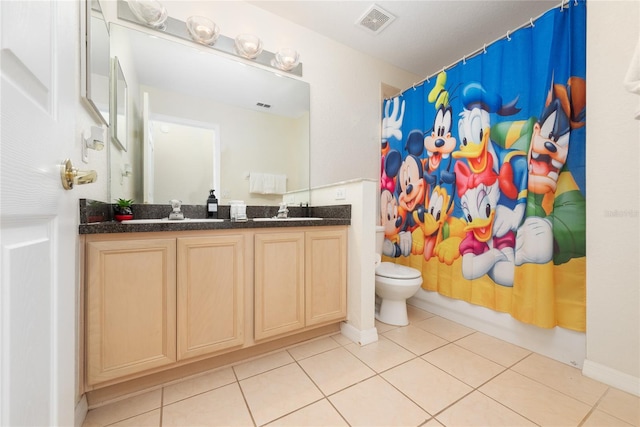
(375, 19)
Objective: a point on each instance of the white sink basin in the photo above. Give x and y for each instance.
(287, 219)
(167, 220)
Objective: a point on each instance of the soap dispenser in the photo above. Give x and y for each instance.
(212, 205)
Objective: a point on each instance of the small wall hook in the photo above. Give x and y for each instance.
(125, 172)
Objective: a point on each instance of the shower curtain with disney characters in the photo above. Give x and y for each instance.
(483, 175)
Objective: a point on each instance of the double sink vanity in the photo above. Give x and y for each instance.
(166, 299)
(187, 220)
(163, 299)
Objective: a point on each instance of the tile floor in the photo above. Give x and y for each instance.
(431, 373)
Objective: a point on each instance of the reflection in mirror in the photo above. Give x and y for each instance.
(199, 151)
(119, 103)
(97, 61)
(259, 121)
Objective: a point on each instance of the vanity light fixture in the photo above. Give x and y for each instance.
(203, 30)
(248, 46)
(151, 12)
(286, 59)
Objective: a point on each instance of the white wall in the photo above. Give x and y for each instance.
(613, 189)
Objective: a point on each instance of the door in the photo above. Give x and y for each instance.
(211, 286)
(279, 283)
(131, 306)
(38, 220)
(325, 276)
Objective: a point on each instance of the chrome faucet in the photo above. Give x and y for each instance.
(304, 209)
(282, 210)
(175, 205)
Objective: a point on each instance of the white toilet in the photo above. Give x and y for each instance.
(394, 284)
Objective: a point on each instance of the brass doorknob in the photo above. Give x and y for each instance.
(71, 176)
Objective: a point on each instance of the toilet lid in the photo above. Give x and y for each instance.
(396, 271)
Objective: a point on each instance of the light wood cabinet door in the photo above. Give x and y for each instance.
(325, 276)
(131, 301)
(210, 294)
(279, 283)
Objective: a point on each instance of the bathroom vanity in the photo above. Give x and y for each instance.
(166, 303)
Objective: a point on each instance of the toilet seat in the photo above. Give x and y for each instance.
(396, 271)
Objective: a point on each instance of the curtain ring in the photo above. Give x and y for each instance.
(484, 49)
(562, 7)
(508, 38)
(464, 60)
(414, 86)
(531, 22)
(428, 81)
(575, 2)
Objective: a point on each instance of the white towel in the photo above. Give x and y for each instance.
(269, 183)
(256, 183)
(281, 184)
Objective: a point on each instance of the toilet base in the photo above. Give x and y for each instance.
(393, 312)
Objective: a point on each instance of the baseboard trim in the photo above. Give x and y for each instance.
(362, 337)
(611, 377)
(560, 344)
(82, 407)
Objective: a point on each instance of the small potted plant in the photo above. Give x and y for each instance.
(123, 209)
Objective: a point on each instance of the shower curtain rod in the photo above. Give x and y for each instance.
(483, 49)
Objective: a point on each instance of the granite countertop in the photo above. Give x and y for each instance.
(96, 218)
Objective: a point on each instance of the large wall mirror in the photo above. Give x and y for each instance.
(201, 119)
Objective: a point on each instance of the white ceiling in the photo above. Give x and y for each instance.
(425, 36)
